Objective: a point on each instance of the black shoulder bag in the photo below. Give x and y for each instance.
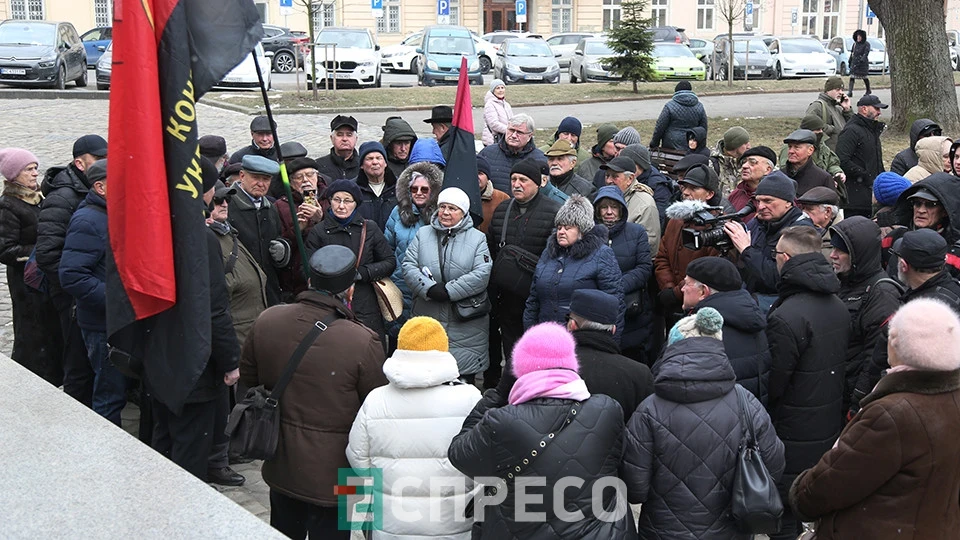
(514, 266)
(471, 307)
(254, 423)
(755, 502)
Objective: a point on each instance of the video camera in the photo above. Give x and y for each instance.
(709, 227)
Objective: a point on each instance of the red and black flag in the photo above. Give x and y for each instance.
(166, 55)
(461, 170)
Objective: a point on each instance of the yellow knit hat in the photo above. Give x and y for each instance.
(423, 334)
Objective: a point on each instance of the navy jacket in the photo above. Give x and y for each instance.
(758, 263)
(83, 265)
(501, 159)
(377, 209)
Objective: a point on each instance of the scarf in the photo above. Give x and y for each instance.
(343, 222)
(25, 194)
(549, 383)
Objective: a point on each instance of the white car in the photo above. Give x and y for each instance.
(245, 74)
(801, 57)
(357, 57)
(497, 37)
(563, 45)
(404, 57)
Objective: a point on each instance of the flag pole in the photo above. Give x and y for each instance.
(283, 172)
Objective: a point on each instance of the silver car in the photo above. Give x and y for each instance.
(526, 60)
(588, 61)
(563, 45)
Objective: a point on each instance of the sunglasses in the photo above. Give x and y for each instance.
(420, 189)
(217, 201)
(920, 203)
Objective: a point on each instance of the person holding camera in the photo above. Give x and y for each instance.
(757, 243)
(833, 106)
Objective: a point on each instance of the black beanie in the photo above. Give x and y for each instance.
(779, 185)
(717, 273)
(528, 167)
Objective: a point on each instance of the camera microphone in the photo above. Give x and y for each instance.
(686, 210)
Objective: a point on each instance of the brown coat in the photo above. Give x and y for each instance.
(894, 472)
(323, 398)
(491, 199)
(670, 264)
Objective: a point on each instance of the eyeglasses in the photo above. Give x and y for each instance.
(342, 202)
(518, 132)
(784, 253)
(420, 189)
(930, 205)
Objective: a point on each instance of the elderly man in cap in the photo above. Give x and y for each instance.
(725, 157)
(562, 163)
(398, 138)
(757, 243)
(593, 322)
(823, 156)
(820, 204)
(755, 164)
(257, 221)
(715, 282)
(801, 145)
(861, 154)
(517, 145)
(601, 153)
(308, 189)
(664, 188)
(932, 203)
(317, 409)
(377, 183)
(292, 150)
(641, 206)
(569, 130)
(64, 188)
(342, 161)
(214, 148)
(262, 144)
(833, 107)
(622, 139)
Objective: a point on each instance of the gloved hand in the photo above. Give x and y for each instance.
(279, 252)
(439, 293)
(669, 301)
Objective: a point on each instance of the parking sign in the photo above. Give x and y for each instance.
(376, 7)
(748, 10)
(443, 11)
(521, 11)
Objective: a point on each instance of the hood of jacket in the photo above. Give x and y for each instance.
(465, 223)
(93, 199)
(928, 153)
(686, 98)
(69, 176)
(700, 134)
(861, 238)
(405, 207)
(808, 272)
(420, 369)
(587, 245)
(738, 309)
(613, 193)
(944, 187)
(427, 152)
(693, 370)
(918, 126)
(395, 128)
(953, 153)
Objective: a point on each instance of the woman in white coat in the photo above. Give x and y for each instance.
(496, 113)
(405, 428)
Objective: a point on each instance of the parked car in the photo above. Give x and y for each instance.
(526, 60)
(563, 45)
(588, 63)
(95, 42)
(287, 48)
(745, 49)
(840, 47)
(403, 55)
(497, 37)
(41, 53)
(676, 61)
(105, 68)
(357, 57)
(440, 53)
(245, 74)
(953, 42)
(670, 33)
(485, 51)
(801, 57)
(702, 49)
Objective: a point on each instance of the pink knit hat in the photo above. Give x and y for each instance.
(544, 346)
(15, 160)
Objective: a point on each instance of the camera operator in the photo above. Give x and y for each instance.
(833, 106)
(757, 244)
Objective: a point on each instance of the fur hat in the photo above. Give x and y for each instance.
(14, 160)
(576, 211)
(705, 323)
(627, 136)
(423, 334)
(456, 197)
(544, 346)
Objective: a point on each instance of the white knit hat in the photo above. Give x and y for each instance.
(456, 197)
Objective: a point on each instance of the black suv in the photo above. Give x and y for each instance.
(285, 46)
(669, 33)
(41, 53)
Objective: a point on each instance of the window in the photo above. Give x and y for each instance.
(831, 18)
(808, 18)
(562, 16)
(103, 12)
(658, 12)
(26, 9)
(611, 14)
(323, 16)
(454, 12)
(262, 10)
(704, 14)
(390, 22)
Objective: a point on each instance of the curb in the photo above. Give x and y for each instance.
(39, 93)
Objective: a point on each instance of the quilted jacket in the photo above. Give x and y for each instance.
(682, 112)
(494, 440)
(501, 159)
(682, 442)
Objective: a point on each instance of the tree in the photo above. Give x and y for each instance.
(921, 78)
(731, 11)
(312, 8)
(633, 43)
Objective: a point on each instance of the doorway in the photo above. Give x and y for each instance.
(499, 15)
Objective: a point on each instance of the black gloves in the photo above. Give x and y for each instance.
(439, 293)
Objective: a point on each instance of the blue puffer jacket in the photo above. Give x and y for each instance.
(83, 265)
(632, 249)
(501, 159)
(682, 112)
(588, 264)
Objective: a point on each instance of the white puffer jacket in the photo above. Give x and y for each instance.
(404, 429)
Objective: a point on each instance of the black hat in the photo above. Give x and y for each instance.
(528, 167)
(298, 164)
(261, 124)
(620, 164)
(441, 114)
(871, 100)
(94, 145)
(923, 248)
(702, 176)
(717, 273)
(209, 173)
(483, 166)
(779, 185)
(595, 306)
(820, 195)
(762, 151)
(224, 192)
(230, 170)
(292, 150)
(802, 136)
(340, 121)
(688, 161)
(97, 171)
(213, 146)
(332, 269)
(923, 193)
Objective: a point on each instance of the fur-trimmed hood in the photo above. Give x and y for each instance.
(405, 208)
(587, 245)
(914, 382)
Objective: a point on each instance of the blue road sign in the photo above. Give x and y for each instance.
(443, 8)
(376, 4)
(522, 7)
(749, 8)
(286, 3)
(870, 13)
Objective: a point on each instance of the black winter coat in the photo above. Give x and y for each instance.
(574, 184)
(608, 372)
(256, 228)
(808, 328)
(377, 208)
(682, 445)
(944, 187)
(861, 158)
(682, 112)
(63, 189)
(501, 159)
(809, 176)
(253, 150)
(907, 158)
(376, 262)
(335, 167)
(495, 440)
(744, 338)
(859, 62)
(758, 263)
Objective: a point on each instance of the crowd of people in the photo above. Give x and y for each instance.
(607, 309)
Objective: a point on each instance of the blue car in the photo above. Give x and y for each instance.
(95, 42)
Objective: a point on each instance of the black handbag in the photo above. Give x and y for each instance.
(514, 266)
(471, 307)
(254, 423)
(755, 502)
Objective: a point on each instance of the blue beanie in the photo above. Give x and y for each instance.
(888, 186)
(426, 150)
(372, 146)
(569, 125)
